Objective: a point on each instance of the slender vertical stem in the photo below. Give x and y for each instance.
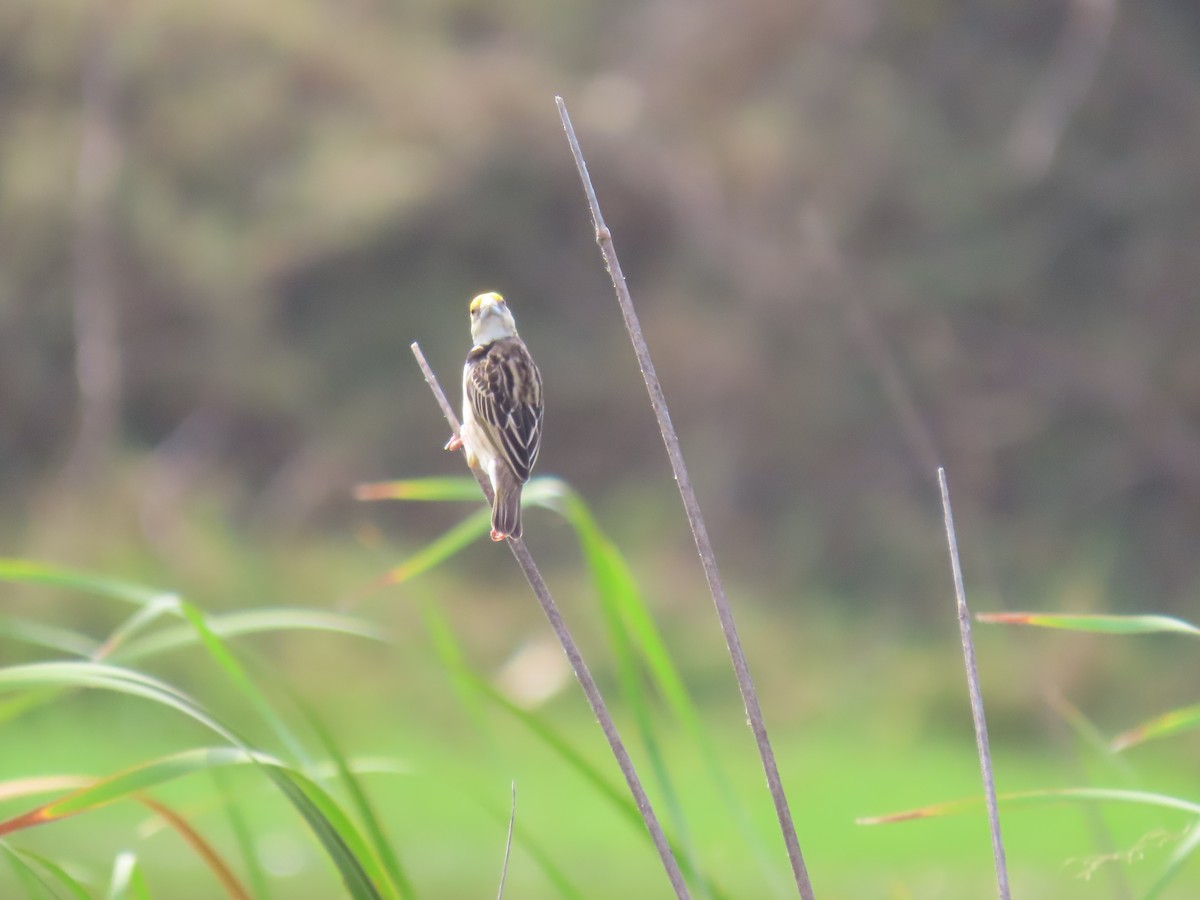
(691, 506)
(512, 820)
(590, 690)
(981, 735)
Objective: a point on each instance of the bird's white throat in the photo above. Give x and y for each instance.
(491, 327)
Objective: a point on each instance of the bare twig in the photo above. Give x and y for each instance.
(981, 735)
(699, 532)
(590, 690)
(512, 820)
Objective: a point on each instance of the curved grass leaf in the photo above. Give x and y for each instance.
(49, 637)
(242, 835)
(1182, 852)
(29, 868)
(438, 490)
(53, 869)
(201, 847)
(453, 660)
(41, 784)
(121, 785)
(434, 554)
(628, 622)
(132, 782)
(1177, 721)
(152, 605)
(620, 601)
(1090, 736)
(247, 622)
(1055, 795)
(380, 846)
(1097, 623)
(341, 841)
(22, 571)
(335, 831)
(165, 605)
(223, 656)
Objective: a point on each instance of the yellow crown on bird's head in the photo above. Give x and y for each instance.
(491, 298)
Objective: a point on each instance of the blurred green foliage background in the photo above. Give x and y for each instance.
(851, 259)
(865, 239)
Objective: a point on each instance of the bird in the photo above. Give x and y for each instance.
(502, 410)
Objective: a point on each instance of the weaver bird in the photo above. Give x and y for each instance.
(502, 410)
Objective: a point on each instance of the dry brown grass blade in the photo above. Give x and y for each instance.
(981, 735)
(708, 559)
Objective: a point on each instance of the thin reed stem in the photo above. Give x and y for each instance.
(708, 559)
(981, 735)
(512, 820)
(590, 690)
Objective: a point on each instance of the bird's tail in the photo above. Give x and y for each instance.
(506, 511)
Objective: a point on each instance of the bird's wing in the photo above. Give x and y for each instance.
(505, 391)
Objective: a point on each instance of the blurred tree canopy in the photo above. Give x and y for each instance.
(865, 239)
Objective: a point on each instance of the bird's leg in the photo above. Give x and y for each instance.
(455, 442)
(498, 535)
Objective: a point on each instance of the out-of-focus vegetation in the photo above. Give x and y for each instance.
(864, 238)
(819, 206)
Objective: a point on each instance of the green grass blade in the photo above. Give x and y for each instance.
(1177, 721)
(424, 489)
(108, 677)
(32, 881)
(341, 840)
(441, 549)
(255, 874)
(618, 587)
(223, 656)
(49, 637)
(1022, 798)
(153, 604)
(453, 660)
(1102, 624)
(144, 776)
(1091, 737)
(328, 823)
(566, 752)
(201, 846)
(127, 883)
(21, 571)
(450, 654)
(55, 871)
(619, 602)
(164, 605)
(247, 622)
(380, 846)
(1182, 852)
